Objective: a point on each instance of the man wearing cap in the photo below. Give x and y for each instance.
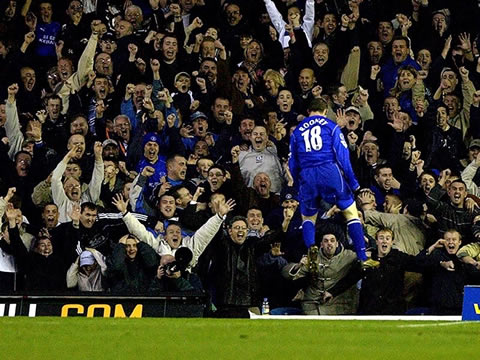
(217, 144)
(354, 119)
(287, 219)
(183, 96)
(111, 150)
(200, 131)
(108, 43)
(87, 273)
(152, 158)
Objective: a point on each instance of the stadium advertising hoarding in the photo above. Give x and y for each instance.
(471, 303)
(171, 305)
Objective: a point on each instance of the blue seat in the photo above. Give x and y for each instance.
(286, 311)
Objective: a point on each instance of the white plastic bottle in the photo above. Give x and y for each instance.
(265, 307)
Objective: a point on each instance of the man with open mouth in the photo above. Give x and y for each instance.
(400, 58)
(261, 157)
(382, 287)
(152, 158)
(69, 192)
(450, 267)
(334, 263)
(200, 126)
(43, 267)
(169, 241)
(454, 213)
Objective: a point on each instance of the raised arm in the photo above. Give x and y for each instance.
(12, 124)
(95, 185)
(78, 79)
(309, 20)
(58, 192)
(343, 157)
(205, 234)
(134, 226)
(275, 16)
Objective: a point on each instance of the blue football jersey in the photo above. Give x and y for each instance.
(318, 140)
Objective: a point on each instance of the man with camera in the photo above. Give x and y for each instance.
(169, 242)
(171, 274)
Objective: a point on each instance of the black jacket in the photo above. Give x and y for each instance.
(382, 287)
(41, 272)
(126, 276)
(235, 270)
(446, 287)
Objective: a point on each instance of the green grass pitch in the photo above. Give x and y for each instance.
(98, 338)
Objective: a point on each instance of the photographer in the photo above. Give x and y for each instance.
(172, 240)
(171, 276)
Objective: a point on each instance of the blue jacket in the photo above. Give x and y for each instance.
(318, 140)
(389, 73)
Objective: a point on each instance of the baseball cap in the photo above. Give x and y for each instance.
(109, 37)
(182, 73)
(352, 108)
(109, 142)
(474, 143)
(198, 115)
(86, 258)
(289, 193)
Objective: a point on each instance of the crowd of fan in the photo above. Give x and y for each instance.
(133, 128)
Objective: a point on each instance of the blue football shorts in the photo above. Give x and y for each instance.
(323, 182)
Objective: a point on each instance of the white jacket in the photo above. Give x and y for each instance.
(252, 162)
(79, 78)
(467, 176)
(76, 278)
(196, 243)
(60, 199)
(12, 129)
(279, 23)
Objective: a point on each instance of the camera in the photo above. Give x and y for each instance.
(183, 256)
(171, 268)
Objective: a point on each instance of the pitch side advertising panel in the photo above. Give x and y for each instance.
(172, 305)
(471, 303)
